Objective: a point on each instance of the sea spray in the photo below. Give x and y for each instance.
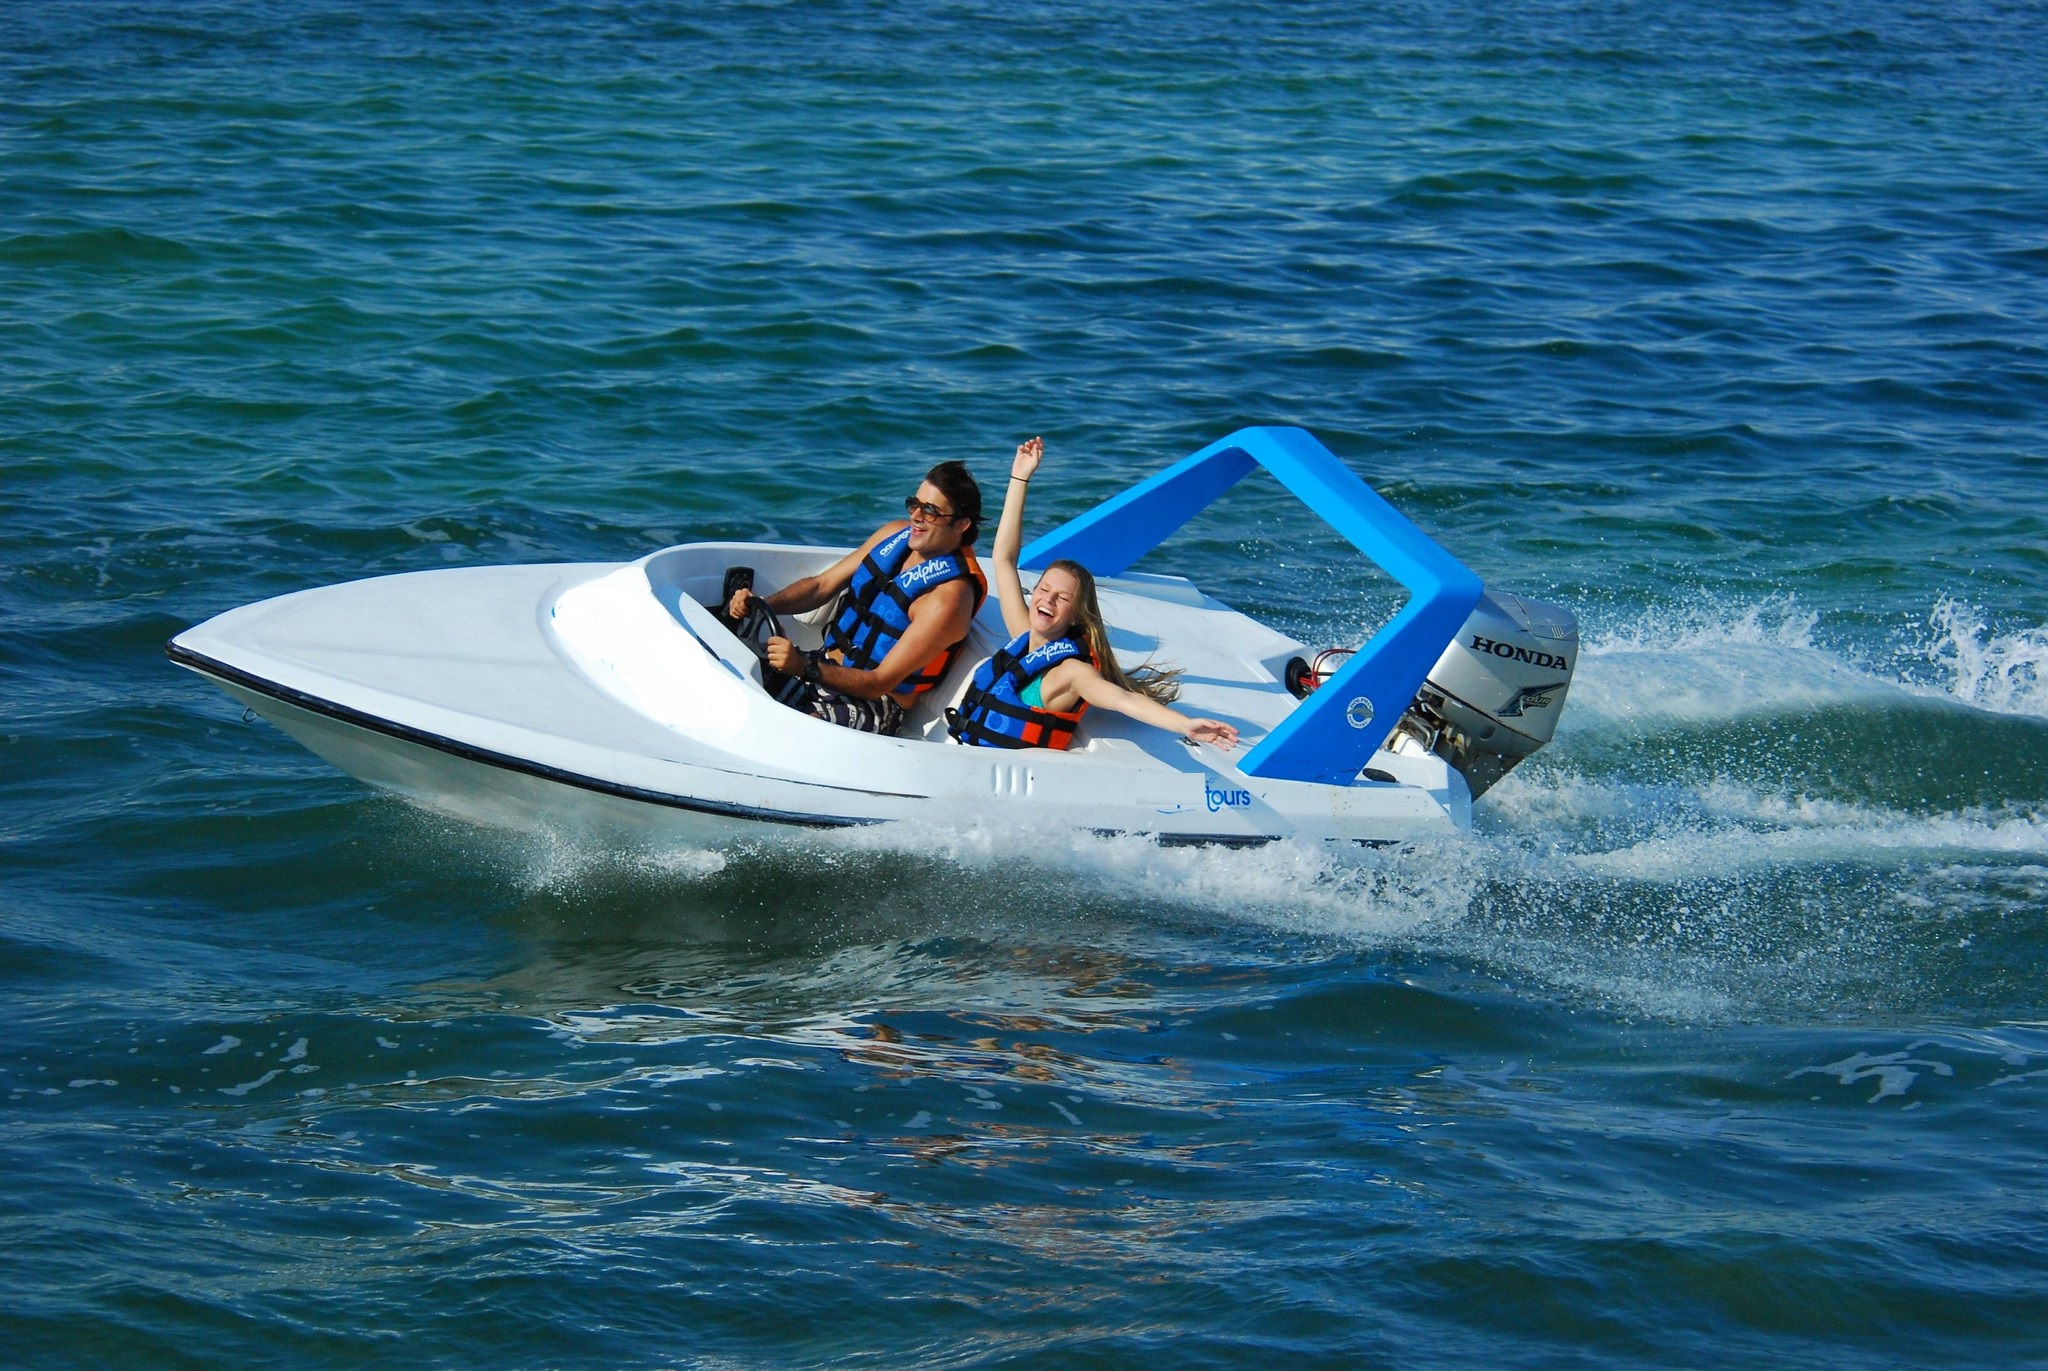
(2003, 672)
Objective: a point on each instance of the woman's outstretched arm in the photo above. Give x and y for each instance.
(1093, 687)
(1010, 536)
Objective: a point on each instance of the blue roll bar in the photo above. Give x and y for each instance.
(1330, 736)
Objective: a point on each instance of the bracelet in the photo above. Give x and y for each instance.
(812, 664)
(1025, 479)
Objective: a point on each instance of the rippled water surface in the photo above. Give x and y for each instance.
(1723, 1041)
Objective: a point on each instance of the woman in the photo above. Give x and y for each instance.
(1033, 692)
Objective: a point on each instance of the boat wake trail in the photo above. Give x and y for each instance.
(1738, 822)
(1742, 820)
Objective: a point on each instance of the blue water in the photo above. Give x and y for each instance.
(1723, 1042)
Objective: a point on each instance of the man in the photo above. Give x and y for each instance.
(913, 586)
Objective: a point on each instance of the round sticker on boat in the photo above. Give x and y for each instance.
(1359, 712)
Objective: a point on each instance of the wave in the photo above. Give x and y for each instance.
(1705, 662)
(1720, 829)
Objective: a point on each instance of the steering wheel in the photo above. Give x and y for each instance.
(757, 626)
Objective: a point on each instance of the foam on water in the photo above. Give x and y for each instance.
(1749, 831)
(1706, 661)
(1312, 885)
(1716, 826)
(557, 861)
(2006, 673)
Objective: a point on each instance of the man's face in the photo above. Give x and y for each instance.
(934, 535)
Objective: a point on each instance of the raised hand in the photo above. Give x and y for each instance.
(1029, 454)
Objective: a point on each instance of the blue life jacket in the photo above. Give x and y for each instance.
(877, 610)
(993, 714)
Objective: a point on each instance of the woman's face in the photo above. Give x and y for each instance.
(1055, 600)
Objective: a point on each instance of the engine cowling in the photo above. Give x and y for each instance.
(1495, 694)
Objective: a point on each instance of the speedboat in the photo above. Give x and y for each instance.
(607, 699)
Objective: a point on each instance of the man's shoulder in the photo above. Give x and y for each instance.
(875, 540)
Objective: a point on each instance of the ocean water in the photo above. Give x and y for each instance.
(1721, 1042)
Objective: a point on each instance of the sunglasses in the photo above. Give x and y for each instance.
(914, 507)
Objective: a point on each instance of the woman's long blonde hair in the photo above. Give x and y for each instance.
(1161, 683)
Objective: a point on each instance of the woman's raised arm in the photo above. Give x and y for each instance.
(1010, 536)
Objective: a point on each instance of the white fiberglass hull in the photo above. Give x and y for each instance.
(604, 699)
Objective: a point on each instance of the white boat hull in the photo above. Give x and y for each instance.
(604, 699)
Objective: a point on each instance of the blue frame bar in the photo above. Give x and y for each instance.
(1333, 733)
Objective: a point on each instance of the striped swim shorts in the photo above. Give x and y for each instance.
(883, 716)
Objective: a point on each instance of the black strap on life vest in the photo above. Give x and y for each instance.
(853, 641)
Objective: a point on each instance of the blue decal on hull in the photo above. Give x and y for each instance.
(1217, 799)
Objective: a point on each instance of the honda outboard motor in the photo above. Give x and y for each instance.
(1494, 696)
